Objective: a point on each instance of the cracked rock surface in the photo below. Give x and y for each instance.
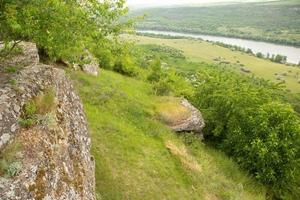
(55, 157)
(194, 122)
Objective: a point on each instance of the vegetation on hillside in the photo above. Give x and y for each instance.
(247, 117)
(277, 21)
(138, 157)
(248, 120)
(252, 120)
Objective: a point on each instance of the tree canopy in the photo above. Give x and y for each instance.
(63, 28)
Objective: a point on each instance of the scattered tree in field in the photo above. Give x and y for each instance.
(259, 55)
(280, 59)
(249, 51)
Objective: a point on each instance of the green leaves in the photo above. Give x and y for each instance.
(63, 29)
(247, 119)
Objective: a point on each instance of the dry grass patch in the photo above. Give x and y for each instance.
(45, 102)
(188, 161)
(170, 111)
(210, 196)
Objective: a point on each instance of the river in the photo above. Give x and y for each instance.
(292, 53)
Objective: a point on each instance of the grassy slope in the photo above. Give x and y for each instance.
(204, 51)
(137, 157)
(281, 20)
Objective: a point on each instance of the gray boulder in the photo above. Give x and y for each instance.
(243, 69)
(91, 65)
(194, 122)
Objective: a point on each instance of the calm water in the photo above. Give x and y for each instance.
(292, 53)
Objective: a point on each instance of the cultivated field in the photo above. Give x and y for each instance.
(201, 51)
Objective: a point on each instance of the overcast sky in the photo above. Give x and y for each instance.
(172, 2)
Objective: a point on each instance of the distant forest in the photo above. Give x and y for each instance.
(277, 22)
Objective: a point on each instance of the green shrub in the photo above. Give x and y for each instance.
(222, 94)
(106, 59)
(125, 66)
(156, 72)
(162, 87)
(180, 86)
(124, 61)
(246, 118)
(10, 169)
(266, 143)
(62, 29)
(168, 81)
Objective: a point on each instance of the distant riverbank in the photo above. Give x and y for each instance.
(292, 53)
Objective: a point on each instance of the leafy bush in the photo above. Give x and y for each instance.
(125, 66)
(162, 87)
(106, 59)
(247, 119)
(269, 139)
(62, 29)
(121, 59)
(168, 81)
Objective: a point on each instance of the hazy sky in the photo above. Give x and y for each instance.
(172, 2)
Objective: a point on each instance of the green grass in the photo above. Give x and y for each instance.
(137, 157)
(201, 51)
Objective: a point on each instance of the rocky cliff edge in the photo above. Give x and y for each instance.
(45, 148)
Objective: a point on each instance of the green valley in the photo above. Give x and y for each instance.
(202, 51)
(274, 21)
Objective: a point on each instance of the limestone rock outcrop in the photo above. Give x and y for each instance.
(27, 55)
(193, 122)
(179, 115)
(91, 66)
(54, 154)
